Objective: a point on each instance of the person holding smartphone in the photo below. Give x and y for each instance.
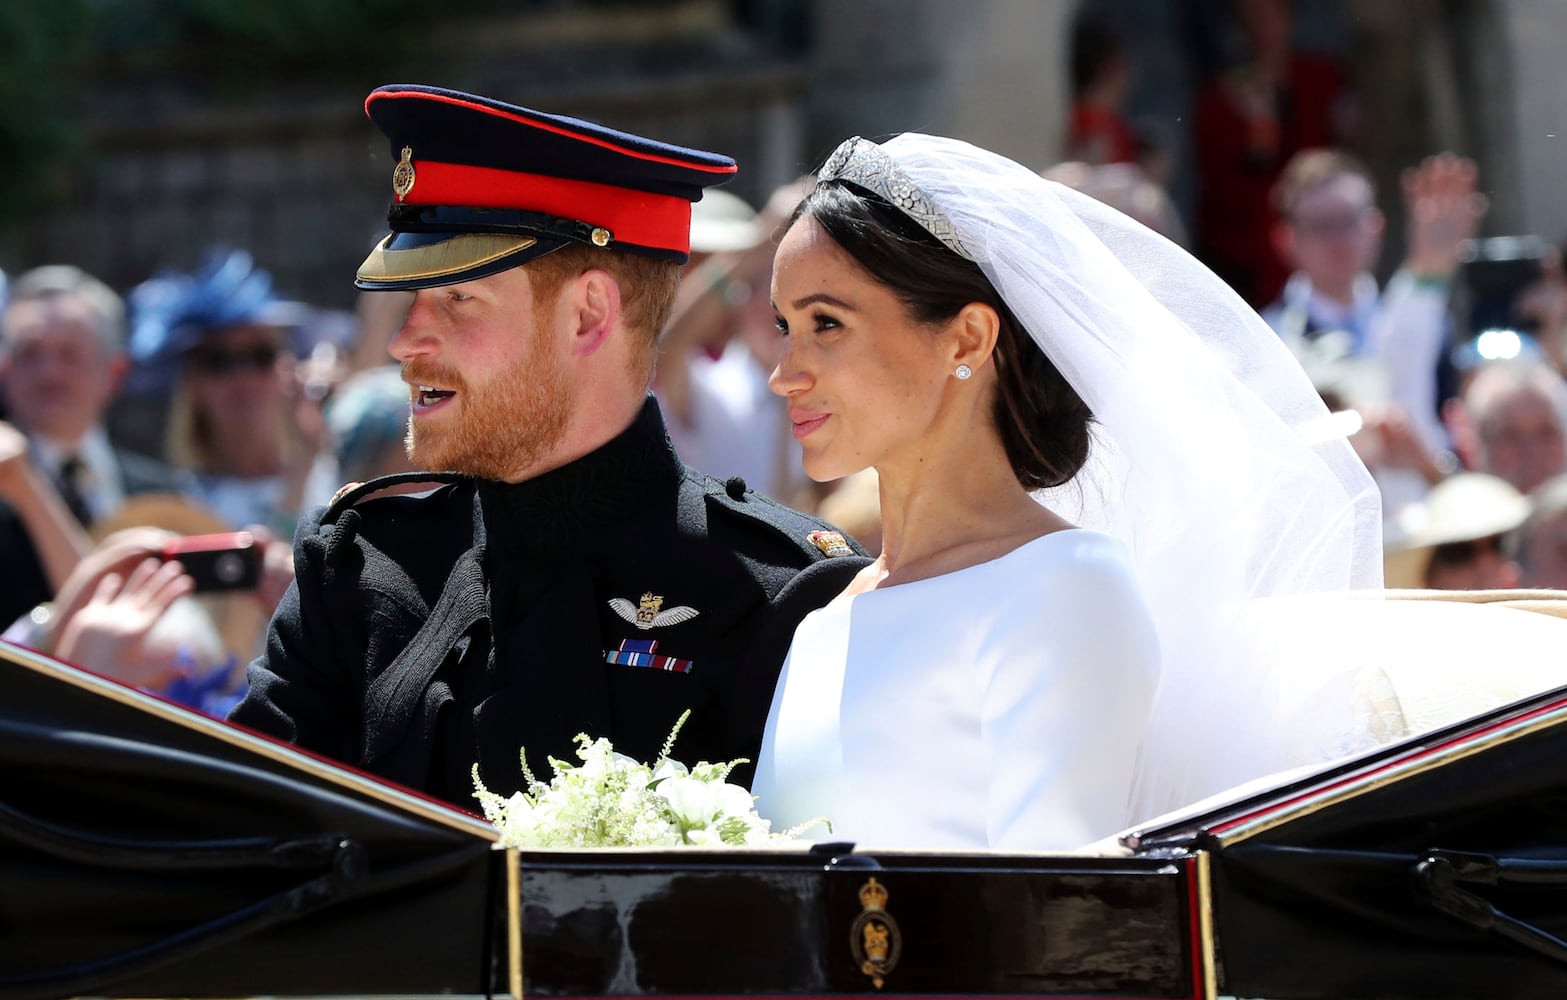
(129, 611)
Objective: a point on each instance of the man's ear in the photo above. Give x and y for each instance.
(598, 310)
(974, 331)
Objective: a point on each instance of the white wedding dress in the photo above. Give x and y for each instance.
(996, 707)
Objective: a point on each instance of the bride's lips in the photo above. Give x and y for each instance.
(427, 399)
(804, 423)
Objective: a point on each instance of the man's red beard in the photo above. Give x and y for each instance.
(505, 426)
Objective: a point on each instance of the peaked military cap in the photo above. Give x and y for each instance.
(480, 186)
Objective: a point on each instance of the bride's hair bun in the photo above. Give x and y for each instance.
(1043, 423)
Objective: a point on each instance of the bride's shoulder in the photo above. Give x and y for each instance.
(1076, 563)
(1073, 547)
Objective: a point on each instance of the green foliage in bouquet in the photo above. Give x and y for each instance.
(611, 800)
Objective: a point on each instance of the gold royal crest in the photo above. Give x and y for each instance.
(874, 939)
(403, 175)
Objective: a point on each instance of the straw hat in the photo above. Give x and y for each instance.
(169, 511)
(722, 222)
(1461, 508)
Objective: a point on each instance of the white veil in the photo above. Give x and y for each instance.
(1212, 460)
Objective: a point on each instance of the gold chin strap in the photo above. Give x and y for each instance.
(438, 260)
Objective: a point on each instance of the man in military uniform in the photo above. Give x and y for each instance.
(572, 576)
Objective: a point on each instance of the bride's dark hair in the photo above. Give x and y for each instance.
(1044, 424)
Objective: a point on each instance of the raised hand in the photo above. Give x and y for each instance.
(1444, 207)
(109, 632)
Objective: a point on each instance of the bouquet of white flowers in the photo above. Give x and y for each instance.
(611, 800)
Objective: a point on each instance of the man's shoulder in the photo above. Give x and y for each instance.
(414, 511)
(739, 514)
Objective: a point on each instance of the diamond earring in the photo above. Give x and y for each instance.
(964, 372)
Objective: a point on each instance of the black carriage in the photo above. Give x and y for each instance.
(149, 851)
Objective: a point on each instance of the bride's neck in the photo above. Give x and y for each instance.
(943, 515)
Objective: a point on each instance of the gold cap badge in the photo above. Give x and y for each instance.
(831, 543)
(403, 176)
(601, 236)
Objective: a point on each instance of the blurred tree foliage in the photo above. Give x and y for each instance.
(55, 53)
(42, 51)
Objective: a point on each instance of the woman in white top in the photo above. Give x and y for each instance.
(1092, 456)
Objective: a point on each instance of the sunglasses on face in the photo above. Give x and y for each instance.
(214, 361)
(1463, 553)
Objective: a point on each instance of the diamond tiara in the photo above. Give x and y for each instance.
(862, 162)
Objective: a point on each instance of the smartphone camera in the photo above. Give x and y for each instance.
(222, 562)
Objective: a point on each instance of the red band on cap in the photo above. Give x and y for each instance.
(547, 127)
(649, 220)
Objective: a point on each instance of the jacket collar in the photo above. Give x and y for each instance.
(577, 501)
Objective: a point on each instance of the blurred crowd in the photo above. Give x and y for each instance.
(203, 403)
(195, 405)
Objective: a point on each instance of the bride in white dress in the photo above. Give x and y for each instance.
(1091, 454)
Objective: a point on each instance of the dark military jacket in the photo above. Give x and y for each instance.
(427, 633)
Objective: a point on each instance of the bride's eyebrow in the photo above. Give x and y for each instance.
(824, 298)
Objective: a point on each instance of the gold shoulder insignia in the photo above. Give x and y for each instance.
(831, 543)
(340, 494)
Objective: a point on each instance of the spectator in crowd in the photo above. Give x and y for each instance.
(127, 614)
(367, 425)
(1097, 130)
(1250, 119)
(240, 418)
(1511, 421)
(1541, 307)
(1457, 538)
(1124, 187)
(240, 616)
(1540, 544)
(720, 345)
(62, 362)
(1486, 348)
(1331, 313)
(1355, 391)
(40, 542)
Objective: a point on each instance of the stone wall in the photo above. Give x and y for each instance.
(299, 176)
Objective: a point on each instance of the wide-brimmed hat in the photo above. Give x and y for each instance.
(1462, 508)
(722, 222)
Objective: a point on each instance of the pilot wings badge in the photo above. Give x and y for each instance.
(646, 614)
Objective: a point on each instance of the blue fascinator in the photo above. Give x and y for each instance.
(172, 312)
